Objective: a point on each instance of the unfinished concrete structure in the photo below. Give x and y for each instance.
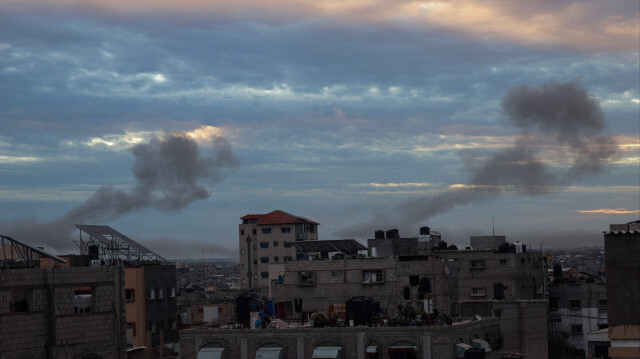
(622, 255)
(60, 312)
(435, 342)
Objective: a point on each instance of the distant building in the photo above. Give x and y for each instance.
(622, 253)
(266, 239)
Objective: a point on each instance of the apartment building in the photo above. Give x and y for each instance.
(265, 239)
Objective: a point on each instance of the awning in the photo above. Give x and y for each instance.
(482, 344)
(326, 352)
(372, 351)
(461, 348)
(402, 348)
(269, 353)
(211, 353)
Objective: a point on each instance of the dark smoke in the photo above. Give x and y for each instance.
(170, 174)
(563, 118)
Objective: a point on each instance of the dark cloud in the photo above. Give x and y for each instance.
(558, 115)
(170, 174)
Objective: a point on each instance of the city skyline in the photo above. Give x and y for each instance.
(359, 115)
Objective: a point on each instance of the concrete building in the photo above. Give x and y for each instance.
(265, 239)
(150, 288)
(622, 261)
(433, 342)
(577, 307)
(59, 312)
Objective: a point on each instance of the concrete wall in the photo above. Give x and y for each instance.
(50, 327)
(430, 342)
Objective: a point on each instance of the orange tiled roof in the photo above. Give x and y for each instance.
(278, 217)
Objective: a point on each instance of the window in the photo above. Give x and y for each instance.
(82, 298)
(264, 244)
(602, 302)
(286, 230)
(152, 327)
(264, 259)
(307, 278)
(242, 232)
(243, 266)
(287, 244)
(264, 274)
(19, 301)
(478, 292)
(242, 251)
(266, 230)
(255, 276)
(255, 261)
(276, 259)
(288, 258)
(131, 329)
(372, 276)
(160, 293)
(254, 231)
(174, 324)
(244, 281)
(574, 304)
(172, 292)
(603, 326)
(255, 246)
(129, 295)
(576, 328)
(553, 303)
(477, 264)
(275, 243)
(503, 262)
(151, 293)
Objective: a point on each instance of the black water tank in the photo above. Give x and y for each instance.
(498, 291)
(392, 233)
(557, 270)
(474, 353)
(425, 231)
(94, 252)
(243, 309)
(379, 234)
(503, 248)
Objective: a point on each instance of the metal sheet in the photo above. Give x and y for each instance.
(211, 353)
(482, 344)
(37, 250)
(337, 245)
(269, 353)
(326, 353)
(107, 235)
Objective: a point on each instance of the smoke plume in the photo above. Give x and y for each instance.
(170, 174)
(558, 120)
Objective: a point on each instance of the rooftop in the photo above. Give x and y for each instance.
(278, 217)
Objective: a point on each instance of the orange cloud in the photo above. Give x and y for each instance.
(611, 211)
(592, 26)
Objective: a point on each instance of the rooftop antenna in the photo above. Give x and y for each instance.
(493, 227)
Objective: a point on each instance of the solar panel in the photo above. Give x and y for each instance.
(108, 235)
(37, 250)
(334, 245)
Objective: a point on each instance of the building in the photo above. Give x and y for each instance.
(150, 287)
(577, 307)
(433, 342)
(56, 311)
(622, 253)
(265, 239)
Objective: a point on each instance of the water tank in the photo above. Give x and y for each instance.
(379, 234)
(392, 233)
(518, 247)
(425, 231)
(93, 252)
(498, 291)
(557, 270)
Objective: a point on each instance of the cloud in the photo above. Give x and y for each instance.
(590, 25)
(610, 211)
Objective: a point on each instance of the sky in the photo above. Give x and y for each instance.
(169, 121)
